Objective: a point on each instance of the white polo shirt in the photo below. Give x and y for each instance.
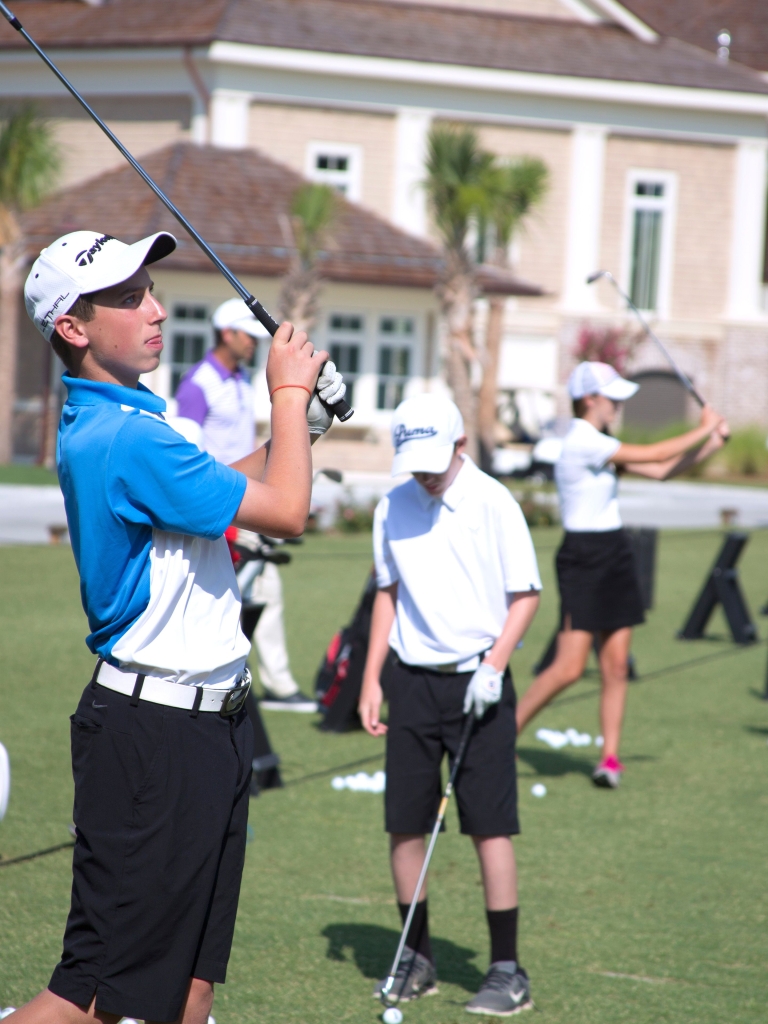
(589, 499)
(457, 560)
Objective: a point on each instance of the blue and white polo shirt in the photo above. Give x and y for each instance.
(147, 512)
(220, 401)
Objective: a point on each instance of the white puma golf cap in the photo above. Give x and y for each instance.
(84, 262)
(600, 379)
(424, 431)
(235, 315)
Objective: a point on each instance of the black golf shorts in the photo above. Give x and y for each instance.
(161, 809)
(425, 723)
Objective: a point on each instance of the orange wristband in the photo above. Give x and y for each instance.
(281, 386)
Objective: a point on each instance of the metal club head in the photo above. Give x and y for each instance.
(598, 274)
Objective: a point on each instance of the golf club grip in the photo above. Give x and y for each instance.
(342, 410)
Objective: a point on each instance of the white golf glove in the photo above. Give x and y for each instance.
(331, 389)
(483, 689)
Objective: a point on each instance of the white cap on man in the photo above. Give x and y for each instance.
(593, 378)
(424, 431)
(83, 262)
(235, 315)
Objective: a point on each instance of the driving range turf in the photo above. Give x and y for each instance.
(643, 905)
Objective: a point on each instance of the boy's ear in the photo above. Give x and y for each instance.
(71, 329)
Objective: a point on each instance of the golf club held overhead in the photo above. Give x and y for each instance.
(681, 375)
(340, 409)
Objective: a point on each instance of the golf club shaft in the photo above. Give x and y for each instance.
(470, 720)
(341, 409)
(682, 376)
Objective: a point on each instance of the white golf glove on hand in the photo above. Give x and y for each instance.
(331, 389)
(483, 689)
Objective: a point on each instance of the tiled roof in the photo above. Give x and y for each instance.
(700, 21)
(239, 201)
(484, 39)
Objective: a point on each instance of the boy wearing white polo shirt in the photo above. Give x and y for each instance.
(161, 743)
(458, 587)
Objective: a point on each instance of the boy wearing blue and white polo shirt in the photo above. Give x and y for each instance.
(458, 587)
(161, 745)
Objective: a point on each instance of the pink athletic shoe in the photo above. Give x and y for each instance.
(608, 773)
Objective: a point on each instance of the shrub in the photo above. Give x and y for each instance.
(355, 518)
(746, 453)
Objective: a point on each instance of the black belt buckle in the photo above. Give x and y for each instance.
(235, 698)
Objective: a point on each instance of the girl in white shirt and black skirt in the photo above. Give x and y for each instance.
(599, 590)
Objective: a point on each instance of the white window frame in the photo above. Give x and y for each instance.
(173, 324)
(395, 340)
(351, 179)
(667, 206)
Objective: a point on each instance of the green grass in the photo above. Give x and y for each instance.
(644, 905)
(18, 473)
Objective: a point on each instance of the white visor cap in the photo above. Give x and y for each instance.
(81, 263)
(600, 379)
(235, 315)
(424, 431)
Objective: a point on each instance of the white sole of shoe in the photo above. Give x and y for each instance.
(500, 1013)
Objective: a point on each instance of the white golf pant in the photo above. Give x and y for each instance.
(269, 637)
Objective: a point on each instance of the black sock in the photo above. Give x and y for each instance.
(502, 924)
(418, 933)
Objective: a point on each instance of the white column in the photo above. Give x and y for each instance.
(199, 125)
(585, 208)
(409, 202)
(229, 118)
(748, 230)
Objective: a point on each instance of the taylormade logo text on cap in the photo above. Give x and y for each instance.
(424, 431)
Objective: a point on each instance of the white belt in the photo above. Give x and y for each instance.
(174, 695)
(454, 667)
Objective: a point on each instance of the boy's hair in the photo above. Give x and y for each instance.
(579, 407)
(84, 309)
(218, 337)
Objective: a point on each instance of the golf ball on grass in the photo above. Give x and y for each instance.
(539, 789)
(392, 1016)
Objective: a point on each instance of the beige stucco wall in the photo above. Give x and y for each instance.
(539, 246)
(702, 224)
(283, 132)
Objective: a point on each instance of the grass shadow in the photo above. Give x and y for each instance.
(373, 948)
(756, 730)
(554, 762)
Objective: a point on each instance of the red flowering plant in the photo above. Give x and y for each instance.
(612, 345)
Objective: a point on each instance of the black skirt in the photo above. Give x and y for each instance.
(598, 583)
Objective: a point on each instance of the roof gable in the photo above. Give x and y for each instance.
(397, 30)
(239, 201)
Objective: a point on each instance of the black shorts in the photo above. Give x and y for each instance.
(425, 722)
(597, 577)
(161, 809)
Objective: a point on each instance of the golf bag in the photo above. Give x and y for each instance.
(248, 560)
(340, 676)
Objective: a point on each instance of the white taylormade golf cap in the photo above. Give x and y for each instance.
(424, 430)
(600, 379)
(84, 262)
(235, 314)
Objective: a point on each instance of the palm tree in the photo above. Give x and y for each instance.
(313, 211)
(514, 188)
(457, 185)
(28, 164)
